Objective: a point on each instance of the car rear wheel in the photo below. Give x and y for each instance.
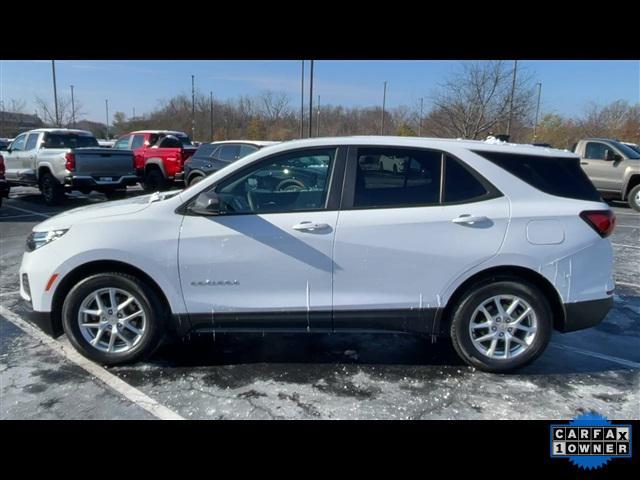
(113, 318)
(634, 198)
(501, 326)
(52, 190)
(154, 181)
(195, 179)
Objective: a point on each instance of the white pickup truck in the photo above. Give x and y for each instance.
(58, 160)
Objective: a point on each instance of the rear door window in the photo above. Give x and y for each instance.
(228, 153)
(562, 177)
(460, 184)
(205, 150)
(137, 142)
(32, 140)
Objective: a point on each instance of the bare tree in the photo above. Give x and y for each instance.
(275, 104)
(475, 100)
(65, 111)
(14, 105)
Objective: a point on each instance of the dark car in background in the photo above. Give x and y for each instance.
(211, 157)
(4, 186)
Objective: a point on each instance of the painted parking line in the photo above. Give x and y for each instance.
(627, 284)
(32, 212)
(6, 294)
(123, 388)
(601, 356)
(625, 246)
(627, 226)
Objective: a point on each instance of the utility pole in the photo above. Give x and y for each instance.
(134, 113)
(55, 92)
(2, 120)
(106, 104)
(384, 102)
(420, 123)
(310, 98)
(302, 102)
(73, 109)
(513, 91)
(211, 112)
(193, 108)
(318, 118)
(535, 125)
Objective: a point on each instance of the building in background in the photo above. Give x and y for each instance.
(13, 123)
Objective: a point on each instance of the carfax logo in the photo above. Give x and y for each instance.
(590, 440)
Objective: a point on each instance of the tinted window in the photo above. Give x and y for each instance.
(556, 176)
(123, 143)
(460, 184)
(246, 150)
(205, 150)
(69, 140)
(18, 143)
(186, 141)
(397, 177)
(137, 142)
(291, 182)
(31, 141)
(170, 142)
(228, 153)
(595, 150)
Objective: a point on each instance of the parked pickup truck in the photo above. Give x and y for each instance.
(159, 156)
(58, 160)
(613, 167)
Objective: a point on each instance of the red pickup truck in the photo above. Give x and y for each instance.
(159, 156)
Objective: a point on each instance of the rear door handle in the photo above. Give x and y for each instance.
(469, 219)
(310, 226)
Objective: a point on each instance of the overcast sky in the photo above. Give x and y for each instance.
(567, 86)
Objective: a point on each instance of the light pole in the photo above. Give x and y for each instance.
(513, 91)
(310, 98)
(535, 125)
(55, 92)
(384, 102)
(318, 118)
(302, 102)
(193, 108)
(211, 112)
(106, 104)
(420, 123)
(73, 109)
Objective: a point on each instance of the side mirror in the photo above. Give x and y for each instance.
(611, 156)
(207, 203)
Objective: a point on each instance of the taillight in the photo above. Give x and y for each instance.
(602, 221)
(2, 169)
(71, 161)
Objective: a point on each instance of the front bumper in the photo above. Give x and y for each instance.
(580, 315)
(95, 183)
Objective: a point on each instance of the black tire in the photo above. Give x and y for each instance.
(115, 194)
(52, 190)
(634, 198)
(154, 181)
(195, 179)
(149, 302)
(463, 311)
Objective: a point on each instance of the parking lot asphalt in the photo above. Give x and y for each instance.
(320, 376)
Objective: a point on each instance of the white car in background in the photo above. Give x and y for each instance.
(492, 245)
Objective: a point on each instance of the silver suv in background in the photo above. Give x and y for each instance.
(58, 160)
(613, 167)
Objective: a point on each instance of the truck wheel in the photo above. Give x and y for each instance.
(113, 318)
(154, 180)
(51, 189)
(634, 198)
(501, 326)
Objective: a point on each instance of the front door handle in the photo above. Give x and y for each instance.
(310, 226)
(469, 219)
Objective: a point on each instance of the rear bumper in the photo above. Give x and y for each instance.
(82, 181)
(580, 315)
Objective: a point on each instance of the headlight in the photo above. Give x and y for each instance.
(39, 239)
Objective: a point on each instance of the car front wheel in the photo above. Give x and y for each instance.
(501, 326)
(113, 318)
(634, 198)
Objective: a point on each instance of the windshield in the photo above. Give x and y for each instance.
(636, 148)
(626, 150)
(69, 140)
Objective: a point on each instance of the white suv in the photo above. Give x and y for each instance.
(493, 245)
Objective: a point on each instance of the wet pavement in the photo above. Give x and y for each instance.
(324, 376)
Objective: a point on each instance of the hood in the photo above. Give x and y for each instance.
(92, 212)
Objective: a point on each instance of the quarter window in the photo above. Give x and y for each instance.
(292, 182)
(31, 141)
(388, 177)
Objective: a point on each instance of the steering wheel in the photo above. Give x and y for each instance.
(290, 185)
